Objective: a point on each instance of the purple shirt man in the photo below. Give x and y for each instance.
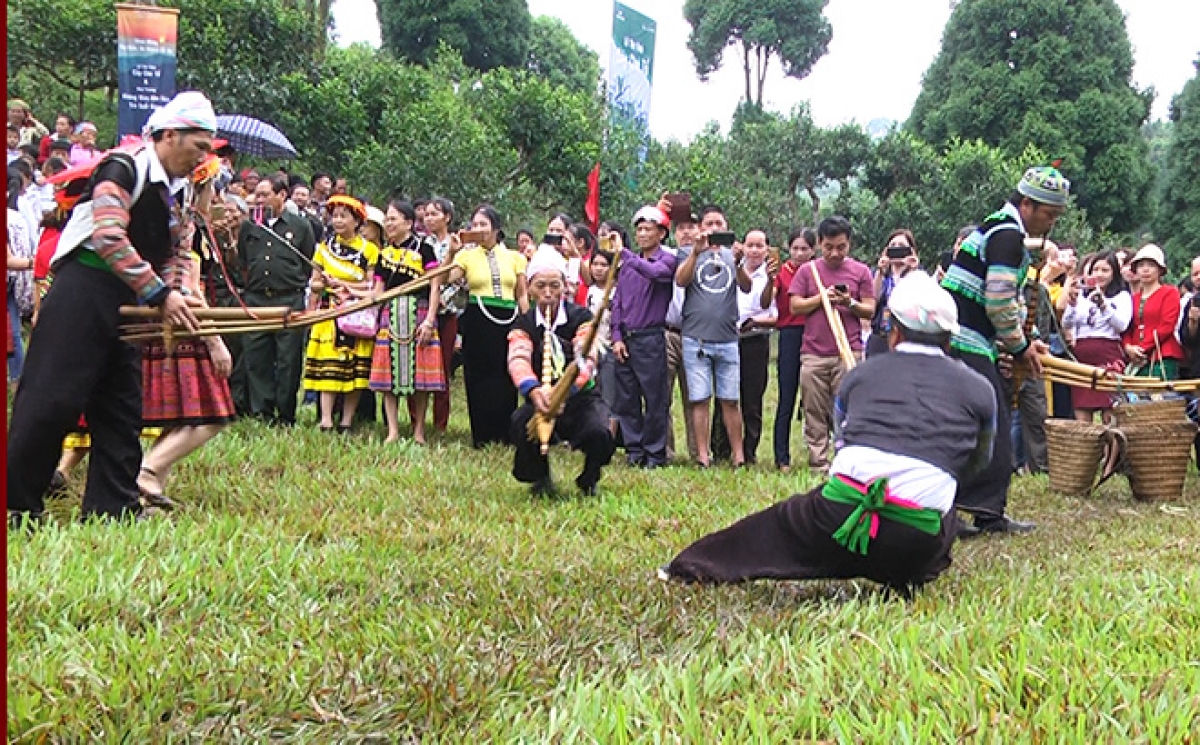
(643, 293)
(645, 285)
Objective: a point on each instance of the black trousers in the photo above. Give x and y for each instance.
(986, 493)
(274, 362)
(754, 355)
(77, 364)
(491, 397)
(787, 367)
(583, 423)
(644, 397)
(793, 539)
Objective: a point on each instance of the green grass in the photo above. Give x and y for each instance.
(324, 589)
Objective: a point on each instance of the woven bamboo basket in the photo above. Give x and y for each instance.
(1075, 450)
(1158, 457)
(1163, 411)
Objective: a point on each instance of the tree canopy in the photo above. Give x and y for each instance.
(1050, 73)
(1178, 225)
(794, 31)
(556, 55)
(486, 33)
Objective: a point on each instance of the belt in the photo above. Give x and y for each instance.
(648, 331)
(673, 329)
(871, 502)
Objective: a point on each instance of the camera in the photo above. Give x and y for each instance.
(842, 288)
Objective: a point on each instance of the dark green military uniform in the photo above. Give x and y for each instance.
(275, 276)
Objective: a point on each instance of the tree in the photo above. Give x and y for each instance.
(795, 31)
(1178, 224)
(1050, 73)
(487, 33)
(556, 55)
(66, 43)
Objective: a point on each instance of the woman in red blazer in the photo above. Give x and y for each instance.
(1150, 341)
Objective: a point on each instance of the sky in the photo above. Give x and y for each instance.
(880, 50)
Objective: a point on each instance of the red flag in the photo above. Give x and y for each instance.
(591, 208)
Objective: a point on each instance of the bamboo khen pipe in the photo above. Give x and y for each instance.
(296, 320)
(835, 322)
(140, 312)
(540, 428)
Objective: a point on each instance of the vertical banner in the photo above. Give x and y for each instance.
(631, 64)
(145, 63)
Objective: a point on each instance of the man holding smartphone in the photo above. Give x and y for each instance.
(711, 273)
(848, 285)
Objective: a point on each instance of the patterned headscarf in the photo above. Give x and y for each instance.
(1046, 185)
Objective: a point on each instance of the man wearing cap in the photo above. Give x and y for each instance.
(276, 247)
(543, 342)
(120, 238)
(886, 512)
(987, 279)
(639, 310)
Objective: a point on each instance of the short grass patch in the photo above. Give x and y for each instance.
(328, 589)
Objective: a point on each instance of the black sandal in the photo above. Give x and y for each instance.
(344, 429)
(161, 501)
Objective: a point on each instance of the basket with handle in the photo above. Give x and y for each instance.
(1158, 457)
(1076, 450)
(1146, 411)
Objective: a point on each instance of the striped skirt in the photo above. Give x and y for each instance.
(400, 365)
(183, 388)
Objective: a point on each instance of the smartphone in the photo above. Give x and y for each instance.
(842, 288)
(721, 239)
(552, 240)
(473, 236)
(898, 252)
(681, 207)
(773, 253)
(605, 244)
(573, 271)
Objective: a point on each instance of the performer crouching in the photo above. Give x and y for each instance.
(910, 426)
(543, 342)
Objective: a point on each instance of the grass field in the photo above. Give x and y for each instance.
(327, 589)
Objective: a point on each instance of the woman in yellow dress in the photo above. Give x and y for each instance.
(339, 364)
(495, 277)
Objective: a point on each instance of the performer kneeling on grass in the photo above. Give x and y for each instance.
(910, 426)
(543, 342)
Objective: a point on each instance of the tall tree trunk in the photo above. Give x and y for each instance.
(746, 69)
(82, 90)
(764, 59)
(816, 204)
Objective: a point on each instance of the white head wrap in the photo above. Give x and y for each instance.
(546, 260)
(188, 110)
(918, 304)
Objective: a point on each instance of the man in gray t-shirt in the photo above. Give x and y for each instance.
(711, 277)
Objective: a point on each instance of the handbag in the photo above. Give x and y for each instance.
(361, 324)
(454, 297)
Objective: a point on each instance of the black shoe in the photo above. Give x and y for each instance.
(1004, 524)
(159, 501)
(58, 484)
(543, 488)
(22, 521)
(966, 531)
(587, 486)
